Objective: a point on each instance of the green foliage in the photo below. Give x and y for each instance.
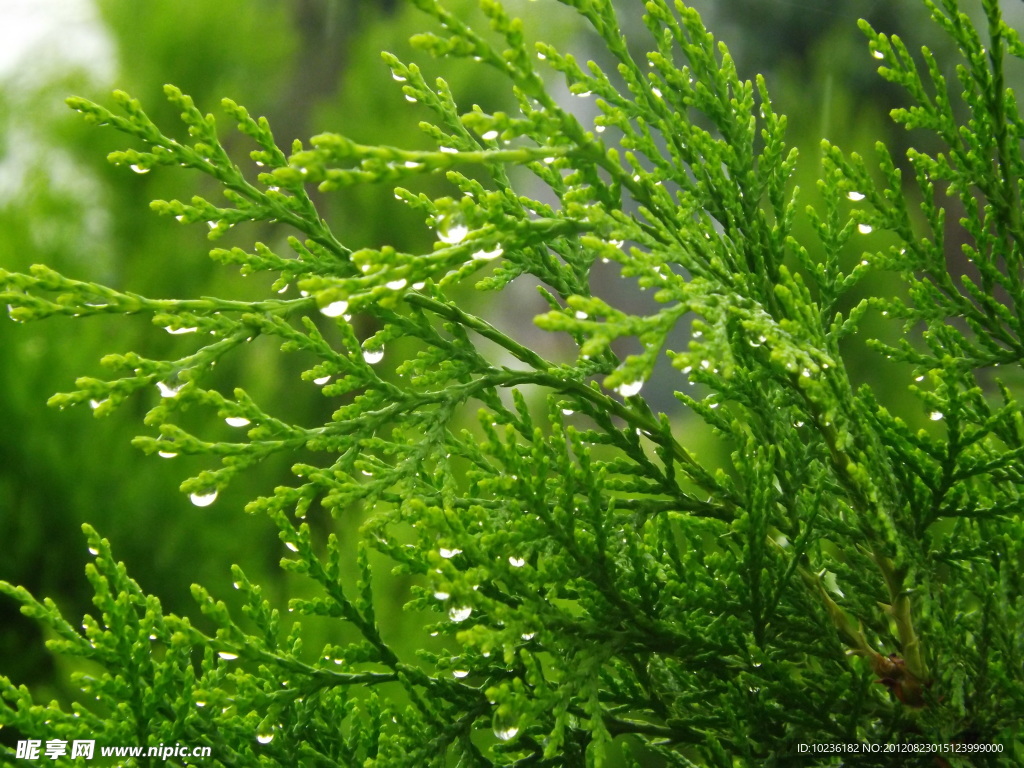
(591, 591)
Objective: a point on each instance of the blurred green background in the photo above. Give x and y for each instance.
(309, 66)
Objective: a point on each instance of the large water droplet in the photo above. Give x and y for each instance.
(236, 421)
(489, 136)
(506, 726)
(397, 285)
(228, 656)
(373, 356)
(265, 738)
(488, 255)
(335, 308)
(203, 499)
(439, 595)
(865, 229)
(138, 168)
(630, 388)
(166, 390)
(855, 196)
(455, 233)
(460, 613)
(321, 381)
(166, 454)
(936, 416)
(460, 673)
(516, 562)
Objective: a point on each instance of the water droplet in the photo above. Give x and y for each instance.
(418, 286)
(506, 726)
(581, 315)
(179, 331)
(448, 150)
(397, 77)
(237, 584)
(410, 99)
(265, 738)
(516, 562)
(855, 196)
(203, 499)
(528, 635)
(138, 168)
(460, 673)
(211, 224)
(228, 656)
(335, 308)
(166, 390)
(441, 595)
(412, 164)
(488, 255)
(166, 454)
(448, 554)
(236, 421)
(568, 411)
(321, 381)
(94, 404)
(920, 378)
(878, 54)
(397, 285)
(453, 234)
(936, 416)
(864, 229)
(292, 546)
(200, 703)
(180, 217)
(489, 136)
(93, 551)
(460, 613)
(283, 290)
(656, 92)
(373, 356)
(630, 388)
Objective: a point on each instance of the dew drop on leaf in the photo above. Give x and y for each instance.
(265, 738)
(373, 356)
(139, 169)
(203, 499)
(166, 454)
(453, 234)
(227, 656)
(460, 613)
(335, 308)
(855, 196)
(506, 727)
(166, 390)
(516, 562)
(460, 673)
(236, 421)
(629, 388)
